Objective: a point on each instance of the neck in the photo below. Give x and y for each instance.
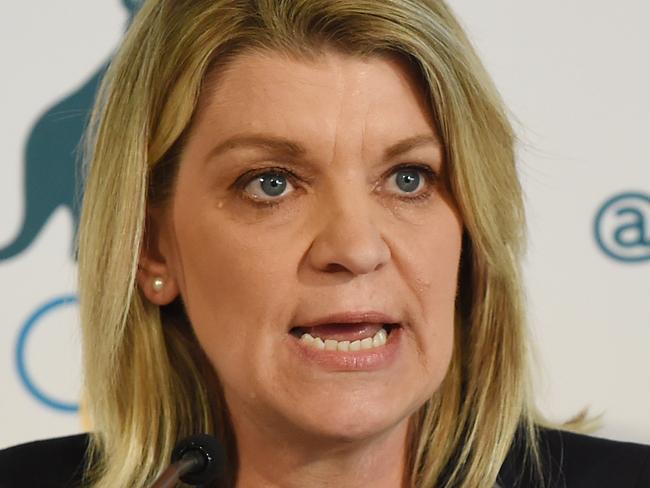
(271, 462)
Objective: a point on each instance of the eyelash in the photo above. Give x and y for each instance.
(430, 176)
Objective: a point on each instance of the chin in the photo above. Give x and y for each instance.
(352, 431)
(352, 419)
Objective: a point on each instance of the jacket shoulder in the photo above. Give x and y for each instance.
(50, 463)
(592, 460)
(572, 460)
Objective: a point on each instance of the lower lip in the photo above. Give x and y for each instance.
(364, 360)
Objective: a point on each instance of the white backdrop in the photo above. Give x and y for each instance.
(575, 76)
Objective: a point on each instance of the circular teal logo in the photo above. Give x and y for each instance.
(22, 360)
(622, 227)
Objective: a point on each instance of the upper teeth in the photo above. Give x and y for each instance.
(379, 339)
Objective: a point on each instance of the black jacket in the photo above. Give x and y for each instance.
(569, 460)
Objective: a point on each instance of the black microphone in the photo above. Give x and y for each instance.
(196, 460)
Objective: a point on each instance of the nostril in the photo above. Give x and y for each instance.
(335, 268)
(357, 248)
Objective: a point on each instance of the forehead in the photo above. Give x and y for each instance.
(321, 68)
(325, 96)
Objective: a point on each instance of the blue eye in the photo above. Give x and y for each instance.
(269, 184)
(408, 179)
(273, 185)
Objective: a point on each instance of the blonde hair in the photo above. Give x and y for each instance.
(148, 385)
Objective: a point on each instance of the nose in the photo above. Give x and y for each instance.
(349, 241)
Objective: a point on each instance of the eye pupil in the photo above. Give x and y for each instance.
(408, 180)
(273, 185)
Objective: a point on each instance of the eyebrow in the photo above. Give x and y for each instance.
(281, 145)
(409, 143)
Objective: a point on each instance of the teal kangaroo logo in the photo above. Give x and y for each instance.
(51, 176)
(50, 182)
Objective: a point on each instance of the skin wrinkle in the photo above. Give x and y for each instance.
(341, 86)
(246, 275)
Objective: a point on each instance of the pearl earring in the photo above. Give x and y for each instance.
(158, 284)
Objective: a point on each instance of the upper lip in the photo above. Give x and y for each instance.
(362, 317)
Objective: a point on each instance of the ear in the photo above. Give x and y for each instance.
(155, 274)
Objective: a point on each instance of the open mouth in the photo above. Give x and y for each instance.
(345, 337)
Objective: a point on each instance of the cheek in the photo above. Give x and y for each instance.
(235, 286)
(431, 261)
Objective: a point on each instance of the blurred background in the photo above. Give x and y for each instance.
(575, 77)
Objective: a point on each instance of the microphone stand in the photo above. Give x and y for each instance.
(191, 460)
(196, 460)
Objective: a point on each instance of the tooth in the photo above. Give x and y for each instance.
(344, 346)
(379, 339)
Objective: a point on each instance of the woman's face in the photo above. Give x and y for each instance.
(309, 192)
